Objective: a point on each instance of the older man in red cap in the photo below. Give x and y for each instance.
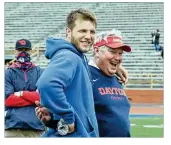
(111, 103)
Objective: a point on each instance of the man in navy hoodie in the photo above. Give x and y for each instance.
(111, 103)
(21, 94)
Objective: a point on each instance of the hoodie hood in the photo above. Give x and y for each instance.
(53, 45)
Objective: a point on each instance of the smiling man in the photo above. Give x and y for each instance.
(111, 103)
(65, 87)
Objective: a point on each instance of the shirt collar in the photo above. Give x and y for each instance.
(92, 63)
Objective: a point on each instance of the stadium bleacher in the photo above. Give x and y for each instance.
(136, 20)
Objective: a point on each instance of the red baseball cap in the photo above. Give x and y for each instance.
(113, 42)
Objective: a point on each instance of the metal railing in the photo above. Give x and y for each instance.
(148, 79)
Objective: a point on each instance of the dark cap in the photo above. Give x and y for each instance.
(23, 43)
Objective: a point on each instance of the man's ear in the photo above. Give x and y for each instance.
(96, 51)
(68, 33)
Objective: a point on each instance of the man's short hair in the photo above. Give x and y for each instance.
(80, 14)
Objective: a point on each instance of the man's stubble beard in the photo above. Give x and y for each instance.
(76, 44)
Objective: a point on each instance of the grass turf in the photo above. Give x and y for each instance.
(154, 127)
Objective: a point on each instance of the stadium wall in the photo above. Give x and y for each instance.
(145, 96)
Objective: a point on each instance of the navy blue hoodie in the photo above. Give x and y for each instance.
(18, 80)
(111, 105)
(66, 90)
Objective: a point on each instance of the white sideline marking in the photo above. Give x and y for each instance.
(133, 124)
(153, 126)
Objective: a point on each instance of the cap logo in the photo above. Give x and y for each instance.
(22, 42)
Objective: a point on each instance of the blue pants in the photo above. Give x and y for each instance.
(157, 47)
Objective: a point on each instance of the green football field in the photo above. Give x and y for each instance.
(147, 127)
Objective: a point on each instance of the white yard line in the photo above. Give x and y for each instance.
(148, 126)
(153, 126)
(133, 124)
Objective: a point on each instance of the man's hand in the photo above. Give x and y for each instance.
(122, 73)
(18, 94)
(71, 127)
(42, 113)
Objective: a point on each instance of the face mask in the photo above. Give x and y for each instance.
(23, 57)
